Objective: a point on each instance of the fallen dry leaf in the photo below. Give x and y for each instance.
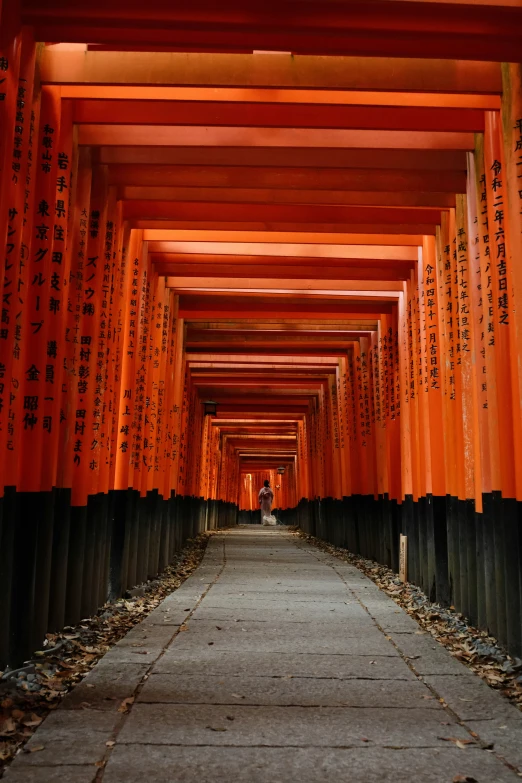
(7, 727)
(126, 704)
(462, 744)
(457, 740)
(34, 748)
(32, 720)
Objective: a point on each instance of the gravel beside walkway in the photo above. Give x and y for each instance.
(274, 662)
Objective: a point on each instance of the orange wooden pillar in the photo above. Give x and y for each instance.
(344, 427)
(127, 396)
(403, 399)
(501, 288)
(17, 186)
(334, 438)
(11, 167)
(476, 204)
(512, 190)
(38, 382)
(436, 510)
(141, 372)
(468, 413)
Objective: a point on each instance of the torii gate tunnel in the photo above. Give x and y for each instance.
(307, 213)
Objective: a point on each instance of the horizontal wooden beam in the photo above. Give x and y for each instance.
(197, 337)
(396, 198)
(289, 96)
(261, 252)
(390, 28)
(232, 136)
(337, 230)
(289, 325)
(214, 307)
(317, 157)
(269, 70)
(275, 115)
(274, 238)
(283, 178)
(278, 276)
(268, 213)
(281, 285)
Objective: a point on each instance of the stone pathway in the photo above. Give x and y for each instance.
(276, 662)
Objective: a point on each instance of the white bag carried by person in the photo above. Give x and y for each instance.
(270, 520)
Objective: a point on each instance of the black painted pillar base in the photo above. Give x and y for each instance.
(7, 536)
(60, 555)
(31, 558)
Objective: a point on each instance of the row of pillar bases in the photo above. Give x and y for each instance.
(60, 563)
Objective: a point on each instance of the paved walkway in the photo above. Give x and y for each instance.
(275, 662)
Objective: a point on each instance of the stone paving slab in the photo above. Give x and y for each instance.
(224, 663)
(340, 613)
(106, 686)
(328, 695)
(119, 655)
(400, 622)
(175, 724)
(472, 699)
(503, 736)
(426, 656)
(163, 764)
(286, 691)
(150, 637)
(52, 774)
(268, 599)
(330, 635)
(70, 737)
(329, 590)
(368, 642)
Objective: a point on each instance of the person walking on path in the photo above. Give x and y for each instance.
(266, 498)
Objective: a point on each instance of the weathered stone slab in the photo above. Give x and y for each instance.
(135, 764)
(471, 699)
(427, 656)
(190, 661)
(70, 737)
(286, 691)
(337, 613)
(505, 737)
(61, 774)
(174, 724)
(150, 636)
(365, 640)
(105, 686)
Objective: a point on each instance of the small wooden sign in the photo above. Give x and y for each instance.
(403, 559)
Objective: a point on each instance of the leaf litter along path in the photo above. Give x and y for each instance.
(276, 661)
(28, 694)
(478, 650)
